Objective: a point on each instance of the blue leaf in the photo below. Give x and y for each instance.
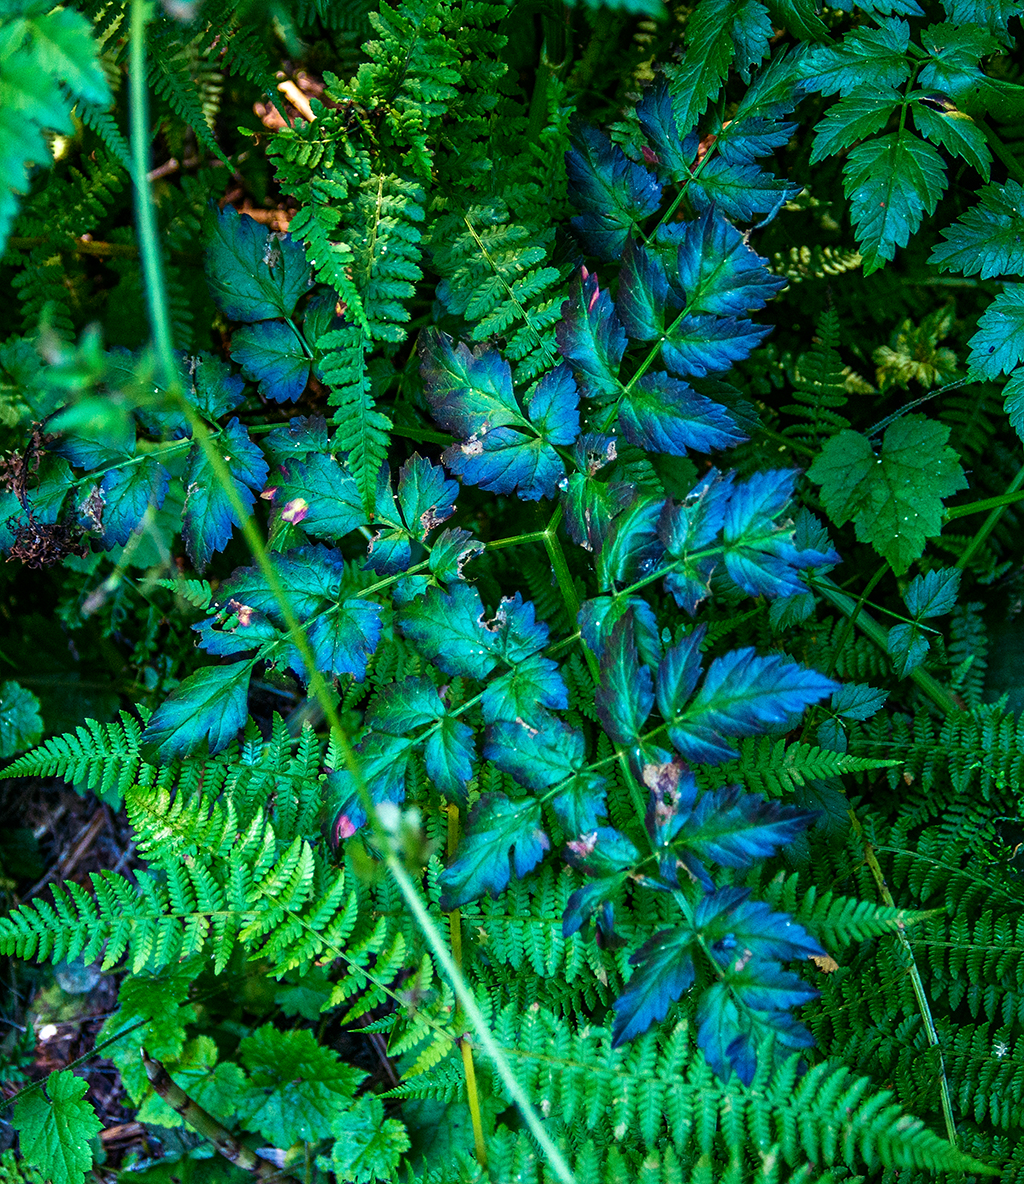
(599, 616)
(704, 344)
(718, 272)
(344, 638)
(679, 672)
(662, 414)
(519, 632)
(591, 338)
(236, 629)
(626, 694)
(252, 276)
(691, 526)
(588, 503)
(448, 754)
(907, 646)
(606, 856)
(553, 406)
(537, 757)
(665, 971)
(580, 803)
(502, 835)
(760, 556)
(643, 293)
(208, 705)
(448, 628)
(506, 461)
(208, 516)
(525, 692)
(271, 354)
(92, 438)
(321, 495)
(657, 118)
(613, 192)
(470, 392)
(743, 694)
(127, 493)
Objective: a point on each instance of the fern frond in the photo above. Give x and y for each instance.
(775, 767)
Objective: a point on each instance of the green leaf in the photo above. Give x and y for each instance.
(1013, 394)
(865, 110)
(895, 498)
(907, 646)
(957, 133)
(892, 182)
(998, 345)
(989, 239)
(55, 1134)
(369, 1146)
(500, 833)
(296, 1086)
(20, 723)
(866, 57)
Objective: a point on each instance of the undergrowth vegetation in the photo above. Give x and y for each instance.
(482, 492)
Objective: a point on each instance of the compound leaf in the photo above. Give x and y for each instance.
(988, 240)
(253, 275)
(209, 704)
(271, 354)
(449, 629)
(55, 1133)
(502, 836)
(998, 345)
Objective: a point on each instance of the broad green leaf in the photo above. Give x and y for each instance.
(993, 14)
(932, 594)
(892, 182)
(866, 57)
(865, 110)
(209, 704)
(321, 495)
(295, 1086)
(369, 1146)
(956, 132)
(449, 629)
(20, 723)
(998, 345)
(989, 239)
(254, 276)
(907, 646)
(894, 499)
(55, 1130)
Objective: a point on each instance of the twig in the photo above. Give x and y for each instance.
(72, 858)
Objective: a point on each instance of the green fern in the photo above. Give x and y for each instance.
(775, 768)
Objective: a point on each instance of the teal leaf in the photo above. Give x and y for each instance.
(209, 516)
(703, 345)
(591, 338)
(998, 344)
(448, 628)
(643, 292)
(209, 704)
(907, 646)
(657, 118)
(319, 494)
(309, 577)
(856, 700)
(740, 191)
(345, 638)
(55, 1131)
(448, 754)
(425, 495)
(524, 692)
(470, 392)
(503, 837)
(892, 182)
(127, 493)
(210, 385)
(553, 406)
(861, 113)
(955, 131)
(271, 354)
(504, 460)
(866, 57)
(254, 276)
(988, 240)
(537, 757)
(451, 551)
(1013, 394)
(403, 706)
(932, 594)
(296, 440)
(20, 722)
(632, 547)
(626, 693)
(717, 271)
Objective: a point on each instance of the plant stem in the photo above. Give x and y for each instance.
(990, 522)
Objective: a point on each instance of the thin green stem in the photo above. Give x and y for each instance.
(990, 522)
(986, 503)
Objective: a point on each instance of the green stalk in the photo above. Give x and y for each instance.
(160, 321)
(941, 696)
(990, 522)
